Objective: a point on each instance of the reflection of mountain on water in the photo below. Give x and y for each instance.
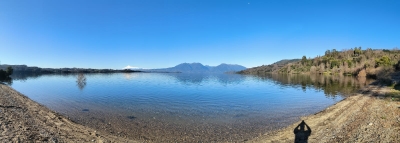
(331, 85)
(230, 78)
(198, 78)
(130, 76)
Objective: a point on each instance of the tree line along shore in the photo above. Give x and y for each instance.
(38, 70)
(380, 64)
(345, 62)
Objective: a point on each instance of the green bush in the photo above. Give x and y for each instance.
(383, 61)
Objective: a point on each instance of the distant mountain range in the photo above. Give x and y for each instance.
(183, 68)
(200, 68)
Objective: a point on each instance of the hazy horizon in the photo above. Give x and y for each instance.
(161, 34)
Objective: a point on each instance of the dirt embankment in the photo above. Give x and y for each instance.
(23, 120)
(360, 118)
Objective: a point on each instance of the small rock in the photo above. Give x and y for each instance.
(93, 140)
(370, 124)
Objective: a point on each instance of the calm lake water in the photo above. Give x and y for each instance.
(161, 107)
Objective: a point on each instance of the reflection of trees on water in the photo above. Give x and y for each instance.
(81, 81)
(24, 76)
(7, 80)
(331, 85)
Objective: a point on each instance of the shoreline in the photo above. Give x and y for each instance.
(363, 117)
(23, 119)
(352, 119)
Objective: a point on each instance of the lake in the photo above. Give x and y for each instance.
(177, 107)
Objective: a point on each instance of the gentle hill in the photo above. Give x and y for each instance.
(268, 68)
(200, 68)
(368, 62)
(379, 63)
(286, 61)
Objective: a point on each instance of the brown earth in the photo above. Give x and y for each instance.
(23, 120)
(365, 117)
(360, 118)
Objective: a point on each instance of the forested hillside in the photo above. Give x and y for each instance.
(359, 62)
(268, 68)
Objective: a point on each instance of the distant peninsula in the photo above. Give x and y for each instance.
(38, 70)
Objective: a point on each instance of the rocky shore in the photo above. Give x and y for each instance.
(365, 117)
(23, 120)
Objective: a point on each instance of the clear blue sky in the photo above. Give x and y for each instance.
(164, 33)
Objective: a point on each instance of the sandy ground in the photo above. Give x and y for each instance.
(365, 117)
(360, 118)
(23, 120)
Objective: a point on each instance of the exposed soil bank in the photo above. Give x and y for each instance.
(23, 120)
(360, 118)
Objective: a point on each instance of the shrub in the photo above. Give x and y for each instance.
(383, 61)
